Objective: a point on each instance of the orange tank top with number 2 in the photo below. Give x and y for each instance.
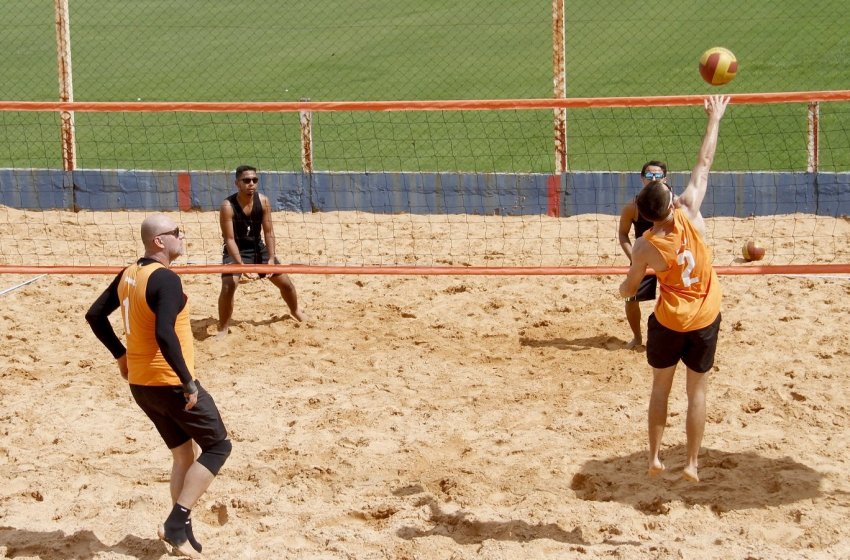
(690, 292)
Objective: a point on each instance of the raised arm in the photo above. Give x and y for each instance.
(691, 199)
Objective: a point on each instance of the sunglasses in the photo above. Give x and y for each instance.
(175, 232)
(656, 175)
(250, 180)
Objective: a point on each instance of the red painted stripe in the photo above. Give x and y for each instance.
(553, 196)
(184, 191)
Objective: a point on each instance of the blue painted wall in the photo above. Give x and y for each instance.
(730, 194)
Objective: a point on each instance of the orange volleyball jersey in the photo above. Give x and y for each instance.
(690, 291)
(145, 361)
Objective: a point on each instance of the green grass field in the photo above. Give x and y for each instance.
(255, 50)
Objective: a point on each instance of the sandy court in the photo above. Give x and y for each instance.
(434, 418)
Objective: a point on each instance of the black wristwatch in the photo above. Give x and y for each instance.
(191, 387)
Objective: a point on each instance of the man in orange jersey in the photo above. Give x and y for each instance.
(246, 221)
(158, 363)
(686, 320)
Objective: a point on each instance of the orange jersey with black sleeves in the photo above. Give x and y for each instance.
(690, 291)
(145, 361)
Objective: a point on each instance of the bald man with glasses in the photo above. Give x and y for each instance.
(159, 365)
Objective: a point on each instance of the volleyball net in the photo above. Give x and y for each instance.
(524, 186)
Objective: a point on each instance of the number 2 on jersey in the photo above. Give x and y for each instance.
(687, 258)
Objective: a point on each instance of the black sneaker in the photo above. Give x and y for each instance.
(191, 537)
(176, 537)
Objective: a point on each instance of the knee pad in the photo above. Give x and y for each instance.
(214, 456)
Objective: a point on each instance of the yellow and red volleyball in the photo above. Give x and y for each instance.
(718, 66)
(752, 250)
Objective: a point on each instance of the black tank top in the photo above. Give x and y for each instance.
(247, 229)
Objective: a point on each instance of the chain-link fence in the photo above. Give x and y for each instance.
(261, 50)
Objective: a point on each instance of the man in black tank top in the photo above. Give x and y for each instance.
(630, 217)
(248, 234)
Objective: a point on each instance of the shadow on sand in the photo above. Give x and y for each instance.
(463, 529)
(202, 329)
(728, 481)
(603, 342)
(56, 545)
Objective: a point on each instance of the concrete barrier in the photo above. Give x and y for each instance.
(571, 194)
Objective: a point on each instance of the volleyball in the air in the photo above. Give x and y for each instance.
(718, 66)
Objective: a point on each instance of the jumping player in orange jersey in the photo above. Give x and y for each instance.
(159, 364)
(686, 320)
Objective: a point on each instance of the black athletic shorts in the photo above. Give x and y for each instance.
(665, 347)
(249, 257)
(164, 406)
(646, 290)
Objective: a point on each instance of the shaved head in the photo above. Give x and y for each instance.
(154, 225)
(162, 238)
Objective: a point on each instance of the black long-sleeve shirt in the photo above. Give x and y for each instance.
(164, 295)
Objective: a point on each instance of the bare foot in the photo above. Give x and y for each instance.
(300, 316)
(179, 544)
(221, 332)
(636, 342)
(690, 474)
(656, 467)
